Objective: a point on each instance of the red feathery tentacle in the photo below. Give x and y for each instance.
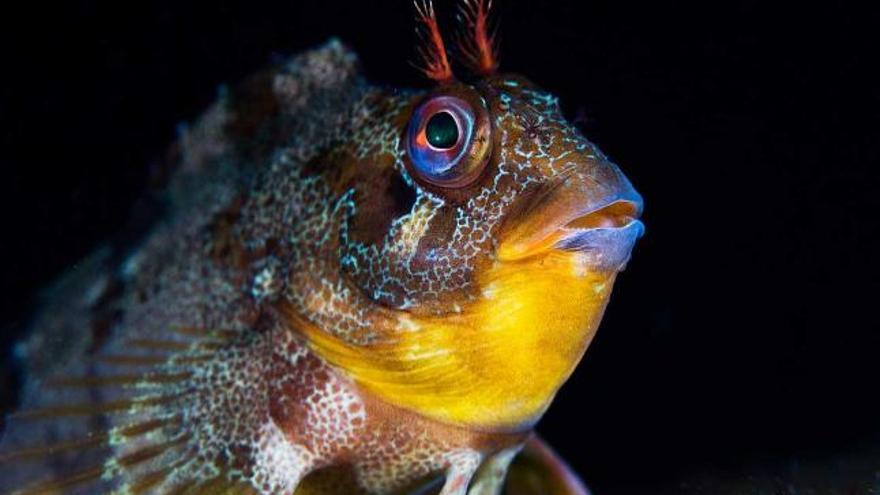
(479, 45)
(435, 63)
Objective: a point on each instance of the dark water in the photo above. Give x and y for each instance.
(742, 338)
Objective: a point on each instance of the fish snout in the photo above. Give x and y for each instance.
(593, 210)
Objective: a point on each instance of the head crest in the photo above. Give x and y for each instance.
(435, 63)
(477, 44)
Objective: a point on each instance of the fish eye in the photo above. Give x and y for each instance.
(442, 130)
(448, 141)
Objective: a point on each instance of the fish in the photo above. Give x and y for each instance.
(341, 288)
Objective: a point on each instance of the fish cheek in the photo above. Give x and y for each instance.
(441, 255)
(379, 203)
(434, 249)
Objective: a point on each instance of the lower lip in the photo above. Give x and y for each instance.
(606, 249)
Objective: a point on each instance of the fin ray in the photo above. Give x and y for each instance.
(92, 473)
(116, 380)
(92, 441)
(87, 409)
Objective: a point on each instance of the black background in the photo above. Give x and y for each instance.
(743, 333)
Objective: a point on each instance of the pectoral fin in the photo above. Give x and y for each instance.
(538, 470)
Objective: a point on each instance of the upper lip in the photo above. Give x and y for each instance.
(616, 214)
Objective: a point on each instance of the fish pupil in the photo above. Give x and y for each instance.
(442, 131)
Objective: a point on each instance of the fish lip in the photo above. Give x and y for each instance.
(603, 228)
(603, 248)
(614, 213)
(604, 233)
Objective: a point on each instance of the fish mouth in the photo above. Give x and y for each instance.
(615, 215)
(601, 228)
(605, 236)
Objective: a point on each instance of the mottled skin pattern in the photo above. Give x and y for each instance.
(182, 365)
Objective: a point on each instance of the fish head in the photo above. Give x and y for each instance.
(484, 176)
(486, 232)
(489, 231)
